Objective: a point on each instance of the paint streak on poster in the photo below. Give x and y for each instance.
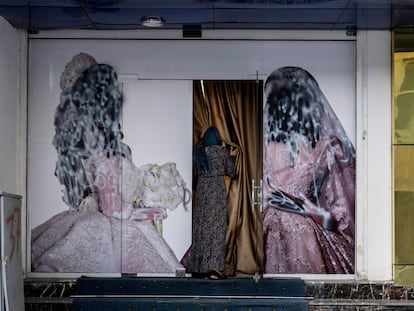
(13, 224)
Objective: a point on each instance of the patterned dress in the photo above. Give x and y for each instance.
(210, 213)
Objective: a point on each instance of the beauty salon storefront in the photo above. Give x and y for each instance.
(160, 81)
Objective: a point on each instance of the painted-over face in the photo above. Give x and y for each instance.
(86, 124)
(293, 109)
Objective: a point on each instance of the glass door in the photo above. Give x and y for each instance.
(157, 129)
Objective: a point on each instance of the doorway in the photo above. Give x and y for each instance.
(235, 108)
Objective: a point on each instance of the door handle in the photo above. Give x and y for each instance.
(257, 195)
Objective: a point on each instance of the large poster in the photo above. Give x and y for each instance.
(115, 209)
(309, 179)
(100, 150)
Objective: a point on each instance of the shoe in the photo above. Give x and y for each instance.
(198, 275)
(212, 276)
(216, 275)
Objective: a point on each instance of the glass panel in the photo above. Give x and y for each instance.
(403, 151)
(404, 98)
(403, 168)
(403, 214)
(404, 230)
(160, 138)
(404, 238)
(404, 274)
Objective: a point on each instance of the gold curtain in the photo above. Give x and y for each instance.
(235, 108)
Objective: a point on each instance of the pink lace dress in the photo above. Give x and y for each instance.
(295, 243)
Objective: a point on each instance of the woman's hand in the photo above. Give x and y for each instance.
(233, 151)
(318, 214)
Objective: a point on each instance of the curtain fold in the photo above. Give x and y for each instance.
(235, 108)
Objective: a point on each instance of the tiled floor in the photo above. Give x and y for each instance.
(54, 295)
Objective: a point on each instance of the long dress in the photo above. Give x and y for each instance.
(107, 234)
(210, 213)
(295, 243)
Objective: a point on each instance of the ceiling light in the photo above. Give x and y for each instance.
(152, 21)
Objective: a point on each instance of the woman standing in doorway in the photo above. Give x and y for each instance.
(212, 162)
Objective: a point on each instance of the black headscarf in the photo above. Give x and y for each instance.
(211, 137)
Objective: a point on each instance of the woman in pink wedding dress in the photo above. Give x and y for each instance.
(114, 207)
(309, 180)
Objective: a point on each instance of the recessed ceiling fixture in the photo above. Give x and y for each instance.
(152, 21)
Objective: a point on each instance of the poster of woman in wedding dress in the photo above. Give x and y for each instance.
(114, 208)
(309, 179)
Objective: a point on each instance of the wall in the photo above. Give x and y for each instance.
(12, 57)
(374, 174)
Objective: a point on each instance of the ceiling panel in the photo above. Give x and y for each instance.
(57, 17)
(210, 14)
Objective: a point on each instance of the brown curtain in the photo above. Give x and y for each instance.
(235, 108)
